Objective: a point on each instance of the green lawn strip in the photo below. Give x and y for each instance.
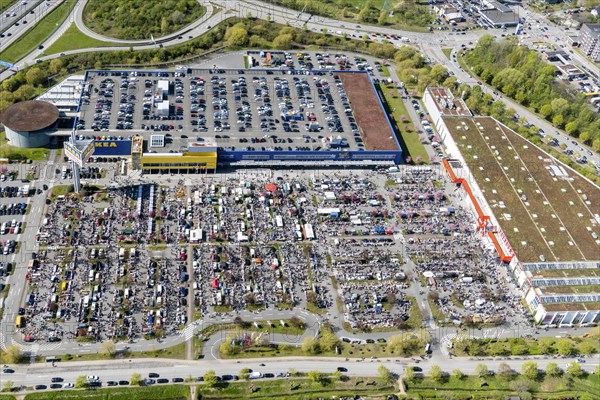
(571, 289)
(36, 35)
(312, 307)
(6, 3)
(467, 385)
(61, 190)
(162, 392)
(447, 52)
(385, 72)
(173, 352)
(345, 350)
(436, 312)
(74, 39)
(7, 397)
(16, 153)
(414, 147)
(415, 318)
(463, 63)
(301, 387)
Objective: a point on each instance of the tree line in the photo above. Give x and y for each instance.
(521, 74)
(399, 13)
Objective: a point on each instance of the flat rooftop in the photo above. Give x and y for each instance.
(547, 210)
(447, 104)
(569, 69)
(239, 109)
(499, 17)
(66, 94)
(29, 116)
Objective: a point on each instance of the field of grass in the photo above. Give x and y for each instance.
(40, 32)
(437, 314)
(162, 392)
(74, 39)
(346, 350)
(447, 52)
(16, 153)
(6, 3)
(300, 388)
(413, 146)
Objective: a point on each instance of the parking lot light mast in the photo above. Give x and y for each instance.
(75, 167)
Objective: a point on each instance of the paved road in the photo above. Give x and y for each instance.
(436, 54)
(122, 369)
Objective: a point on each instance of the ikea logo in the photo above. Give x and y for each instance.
(105, 144)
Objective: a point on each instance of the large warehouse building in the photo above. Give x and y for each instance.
(198, 120)
(29, 123)
(520, 193)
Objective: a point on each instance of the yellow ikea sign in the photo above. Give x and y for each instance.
(105, 144)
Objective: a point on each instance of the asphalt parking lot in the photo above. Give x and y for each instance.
(137, 261)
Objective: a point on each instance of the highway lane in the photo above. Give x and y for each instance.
(15, 11)
(26, 20)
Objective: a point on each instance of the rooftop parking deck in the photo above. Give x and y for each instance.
(251, 110)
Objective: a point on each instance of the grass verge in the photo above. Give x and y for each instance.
(166, 392)
(385, 72)
(436, 312)
(297, 389)
(74, 39)
(16, 153)
(414, 147)
(175, 352)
